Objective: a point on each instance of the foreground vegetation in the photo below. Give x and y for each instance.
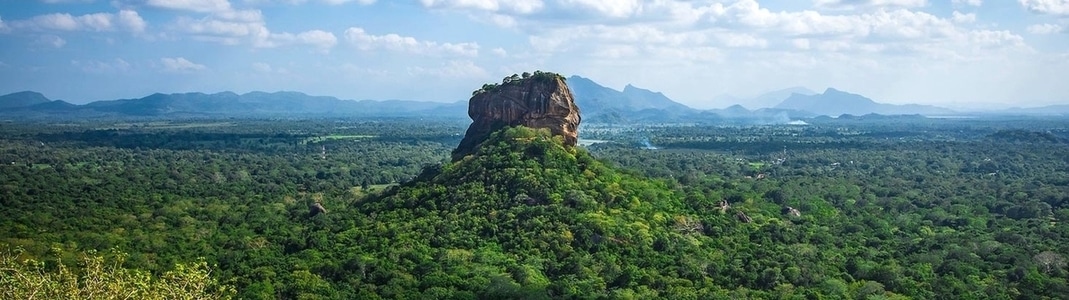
(102, 277)
(863, 209)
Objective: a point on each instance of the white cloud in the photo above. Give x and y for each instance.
(861, 3)
(504, 6)
(53, 21)
(3, 26)
(100, 67)
(51, 40)
(1044, 29)
(499, 52)
(963, 18)
(394, 42)
(126, 19)
(337, 2)
(1050, 7)
(132, 20)
(224, 31)
(737, 40)
(609, 8)
(180, 64)
(236, 27)
(969, 2)
(317, 38)
(201, 6)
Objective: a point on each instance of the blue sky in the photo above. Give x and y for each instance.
(957, 53)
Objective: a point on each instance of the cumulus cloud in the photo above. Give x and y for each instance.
(201, 6)
(505, 6)
(132, 20)
(963, 18)
(737, 40)
(231, 32)
(338, 2)
(1050, 7)
(234, 27)
(609, 8)
(394, 42)
(128, 20)
(875, 3)
(180, 64)
(969, 2)
(1044, 29)
(320, 39)
(696, 31)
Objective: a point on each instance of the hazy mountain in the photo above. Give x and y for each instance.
(738, 114)
(766, 100)
(232, 104)
(593, 99)
(1050, 110)
(835, 102)
(22, 99)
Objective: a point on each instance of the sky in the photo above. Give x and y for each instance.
(953, 53)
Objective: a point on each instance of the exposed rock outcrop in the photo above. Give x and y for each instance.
(541, 100)
(316, 208)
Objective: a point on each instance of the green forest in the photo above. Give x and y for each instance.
(848, 208)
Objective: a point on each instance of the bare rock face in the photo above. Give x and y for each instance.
(541, 100)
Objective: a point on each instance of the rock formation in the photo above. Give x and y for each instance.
(541, 100)
(315, 209)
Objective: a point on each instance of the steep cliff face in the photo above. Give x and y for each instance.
(542, 100)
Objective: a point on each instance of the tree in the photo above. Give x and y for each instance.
(1049, 262)
(102, 277)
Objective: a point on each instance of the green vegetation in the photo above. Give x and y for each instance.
(517, 79)
(100, 277)
(846, 209)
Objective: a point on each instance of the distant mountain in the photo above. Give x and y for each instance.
(1050, 110)
(22, 99)
(596, 100)
(739, 115)
(231, 104)
(766, 100)
(835, 102)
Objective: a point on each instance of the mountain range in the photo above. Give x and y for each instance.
(599, 104)
(835, 102)
(766, 100)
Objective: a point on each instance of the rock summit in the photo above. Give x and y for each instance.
(539, 100)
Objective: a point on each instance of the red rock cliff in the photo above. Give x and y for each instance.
(542, 100)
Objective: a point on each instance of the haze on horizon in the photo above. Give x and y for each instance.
(955, 53)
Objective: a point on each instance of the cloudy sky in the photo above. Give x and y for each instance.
(957, 53)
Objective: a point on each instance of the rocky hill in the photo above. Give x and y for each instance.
(541, 100)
